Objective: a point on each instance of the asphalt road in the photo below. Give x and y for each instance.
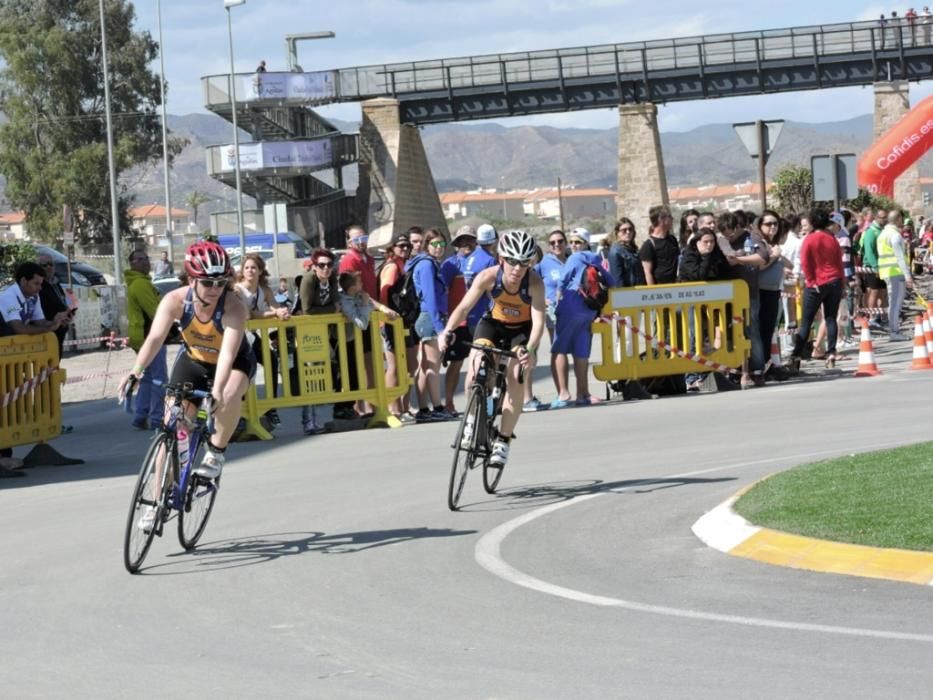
(332, 568)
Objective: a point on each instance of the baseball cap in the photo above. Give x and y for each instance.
(486, 234)
(580, 234)
(837, 218)
(466, 231)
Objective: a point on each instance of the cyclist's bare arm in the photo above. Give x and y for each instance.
(234, 322)
(167, 313)
(482, 284)
(538, 305)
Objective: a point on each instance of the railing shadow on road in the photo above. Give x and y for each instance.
(538, 495)
(259, 549)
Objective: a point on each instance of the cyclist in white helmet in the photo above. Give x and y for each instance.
(514, 321)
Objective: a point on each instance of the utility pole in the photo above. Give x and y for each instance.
(114, 212)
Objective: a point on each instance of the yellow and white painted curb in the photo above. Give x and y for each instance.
(724, 529)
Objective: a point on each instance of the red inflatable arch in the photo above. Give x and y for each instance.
(897, 150)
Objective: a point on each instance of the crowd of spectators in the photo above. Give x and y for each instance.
(813, 274)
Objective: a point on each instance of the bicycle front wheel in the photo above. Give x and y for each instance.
(465, 442)
(197, 503)
(148, 494)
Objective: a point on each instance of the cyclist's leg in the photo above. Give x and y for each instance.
(226, 418)
(514, 398)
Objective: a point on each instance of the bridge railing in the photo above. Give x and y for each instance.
(635, 58)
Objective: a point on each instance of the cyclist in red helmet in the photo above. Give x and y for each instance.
(212, 320)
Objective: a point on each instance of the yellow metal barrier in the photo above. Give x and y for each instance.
(706, 319)
(320, 356)
(30, 389)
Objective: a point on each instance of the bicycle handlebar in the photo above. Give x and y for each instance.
(502, 353)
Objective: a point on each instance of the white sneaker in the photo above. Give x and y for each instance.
(147, 520)
(466, 441)
(211, 465)
(500, 453)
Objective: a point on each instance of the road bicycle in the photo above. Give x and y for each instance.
(167, 481)
(479, 424)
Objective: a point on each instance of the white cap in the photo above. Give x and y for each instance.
(486, 235)
(580, 233)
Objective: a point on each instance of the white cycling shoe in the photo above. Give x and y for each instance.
(500, 453)
(147, 519)
(212, 464)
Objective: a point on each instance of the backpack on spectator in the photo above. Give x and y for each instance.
(403, 298)
(594, 291)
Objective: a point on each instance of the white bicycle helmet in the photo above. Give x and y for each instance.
(517, 245)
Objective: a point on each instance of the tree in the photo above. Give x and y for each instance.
(793, 189)
(53, 148)
(195, 200)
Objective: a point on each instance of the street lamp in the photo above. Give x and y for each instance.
(236, 132)
(168, 191)
(114, 213)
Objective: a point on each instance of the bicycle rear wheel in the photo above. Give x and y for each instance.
(137, 540)
(197, 503)
(465, 445)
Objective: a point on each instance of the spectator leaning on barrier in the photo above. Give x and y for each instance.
(573, 332)
(432, 295)
(54, 300)
(20, 305)
(318, 295)
(624, 264)
(894, 270)
(747, 252)
(821, 260)
(660, 252)
(142, 300)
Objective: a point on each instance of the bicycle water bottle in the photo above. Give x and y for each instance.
(491, 401)
(182, 447)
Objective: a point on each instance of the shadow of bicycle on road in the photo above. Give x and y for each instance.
(259, 549)
(537, 495)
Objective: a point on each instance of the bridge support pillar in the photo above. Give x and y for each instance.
(892, 102)
(642, 182)
(396, 189)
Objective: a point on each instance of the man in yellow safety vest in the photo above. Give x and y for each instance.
(894, 270)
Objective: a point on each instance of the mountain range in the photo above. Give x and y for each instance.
(497, 156)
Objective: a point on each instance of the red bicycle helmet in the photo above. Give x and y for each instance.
(207, 260)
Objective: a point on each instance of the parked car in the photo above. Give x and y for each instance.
(82, 274)
(166, 285)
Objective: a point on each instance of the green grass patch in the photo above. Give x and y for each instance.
(882, 499)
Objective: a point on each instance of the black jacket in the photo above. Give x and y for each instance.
(704, 268)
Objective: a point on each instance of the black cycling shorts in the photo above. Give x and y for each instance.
(458, 350)
(502, 335)
(200, 375)
(871, 280)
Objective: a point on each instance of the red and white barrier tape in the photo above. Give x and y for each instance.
(27, 387)
(92, 375)
(110, 339)
(664, 345)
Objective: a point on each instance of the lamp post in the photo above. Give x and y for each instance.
(236, 132)
(168, 191)
(114, 213)
(292, 50)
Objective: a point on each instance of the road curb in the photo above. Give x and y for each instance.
(724, 529)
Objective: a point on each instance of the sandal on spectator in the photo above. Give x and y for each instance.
(588, 401)
(560, 403)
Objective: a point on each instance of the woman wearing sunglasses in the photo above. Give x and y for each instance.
(212, 319)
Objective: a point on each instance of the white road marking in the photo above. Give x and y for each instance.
(488, 554)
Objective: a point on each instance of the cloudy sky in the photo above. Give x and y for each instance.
(382, 31)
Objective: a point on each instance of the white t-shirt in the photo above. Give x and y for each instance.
(15, 307)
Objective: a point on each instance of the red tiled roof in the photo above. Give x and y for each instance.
(156, 211)
(688, 194)
(460, 197)
(12, 217)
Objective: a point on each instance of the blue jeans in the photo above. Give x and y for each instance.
(150, 398)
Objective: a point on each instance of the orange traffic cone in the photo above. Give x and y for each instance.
(775, 351)
(866, 354)
(921, 358)
(928, 334)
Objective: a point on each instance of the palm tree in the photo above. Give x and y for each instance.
(195, 200)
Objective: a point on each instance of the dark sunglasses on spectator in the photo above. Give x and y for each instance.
(578, 242)
(625, 229)
(403, 246)
(558, 241)
(770, 222)
(214, 283)
(516, 263)
(323, 265)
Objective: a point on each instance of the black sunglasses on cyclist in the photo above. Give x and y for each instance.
(517, 263)
(216, 284)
